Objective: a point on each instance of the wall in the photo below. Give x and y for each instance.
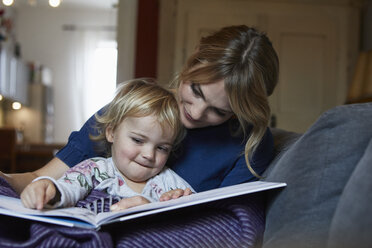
(39, 31)
(316, 40)
(167, 29)
(126, 38)
(7, 14)
(166, 44)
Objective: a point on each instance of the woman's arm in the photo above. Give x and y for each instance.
(78, 148)
(55, 168)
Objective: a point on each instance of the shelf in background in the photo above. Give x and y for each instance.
(23, 157)
(30, 157)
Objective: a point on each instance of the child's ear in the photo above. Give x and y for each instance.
(110, 134)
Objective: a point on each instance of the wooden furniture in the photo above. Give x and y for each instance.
(8, 140)
(30, 157)
(23, 157)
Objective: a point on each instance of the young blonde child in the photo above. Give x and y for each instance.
(138, 130)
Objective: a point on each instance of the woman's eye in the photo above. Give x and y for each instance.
(195, 90)
(219, 113)
(136, 140)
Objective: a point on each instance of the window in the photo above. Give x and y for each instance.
(102, 85)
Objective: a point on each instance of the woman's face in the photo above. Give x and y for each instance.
(203, 105)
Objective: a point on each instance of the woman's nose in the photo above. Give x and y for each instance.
(198, 111)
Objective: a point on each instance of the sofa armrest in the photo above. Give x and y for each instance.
(316, 168)
(283, 140)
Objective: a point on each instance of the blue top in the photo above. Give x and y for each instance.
(207, 158)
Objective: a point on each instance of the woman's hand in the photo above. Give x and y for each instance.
(3, 175)
(129, 203)
(38, 194)
(174, 194)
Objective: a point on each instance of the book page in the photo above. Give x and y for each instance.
(194, 199)
(82, 217)
(14, 207)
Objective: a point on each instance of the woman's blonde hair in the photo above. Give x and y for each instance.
(247, 62)
(139, 98)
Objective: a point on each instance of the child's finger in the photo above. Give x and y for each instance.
(187, 192)
(50, 193)
(39, 198)
(27, 197)
(128, 203)
(26, 200)
(165, 197)
(177, 193)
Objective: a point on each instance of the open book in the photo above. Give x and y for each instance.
(82, 217)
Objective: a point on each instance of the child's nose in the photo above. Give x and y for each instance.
(148, 153)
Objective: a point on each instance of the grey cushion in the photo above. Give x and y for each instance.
(352, 223)
(316, 168)
(283, 140)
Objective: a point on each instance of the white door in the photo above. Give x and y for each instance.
(308, 50)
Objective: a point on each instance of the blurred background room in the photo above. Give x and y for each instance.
(60, 61)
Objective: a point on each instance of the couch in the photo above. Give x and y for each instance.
(328, 170)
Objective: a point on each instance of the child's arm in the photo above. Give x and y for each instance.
(78, 181)
(38, 194)
(74, 185)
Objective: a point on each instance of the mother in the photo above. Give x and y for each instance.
(223, 96)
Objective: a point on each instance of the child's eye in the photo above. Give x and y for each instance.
(164, 149)
(136, 140)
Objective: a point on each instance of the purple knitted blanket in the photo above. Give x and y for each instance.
(237, 222)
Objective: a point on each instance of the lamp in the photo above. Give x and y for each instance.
(52, 3)
(8, 2)
(361, 86)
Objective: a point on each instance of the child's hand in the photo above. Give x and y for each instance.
(129, 202)
(174, 194)
(38, 193)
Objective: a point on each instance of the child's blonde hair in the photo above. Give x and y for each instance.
(139, 98)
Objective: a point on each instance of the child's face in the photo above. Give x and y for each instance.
(140, 148)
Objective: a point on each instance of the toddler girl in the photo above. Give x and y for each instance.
(137, 130)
